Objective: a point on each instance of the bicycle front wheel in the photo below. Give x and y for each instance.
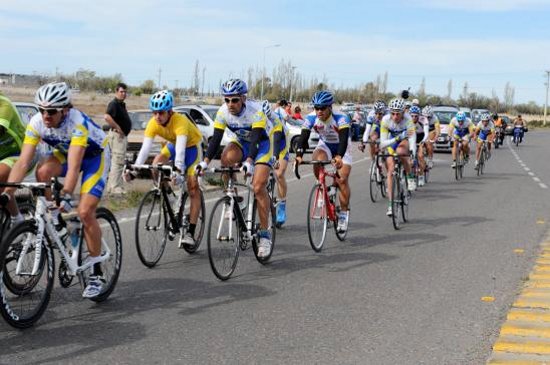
(405, 198)
(373, 182)
(25, 295)
(223, 238)
(199, 229)
(341, 235)
(395, 201)
(317, 219)
(151, 231)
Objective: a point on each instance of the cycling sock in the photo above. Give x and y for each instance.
(191, 229)
(97, 269)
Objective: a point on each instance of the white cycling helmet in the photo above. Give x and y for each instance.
(485, 116)
(53, 95)
(428, 111)
(397, 105)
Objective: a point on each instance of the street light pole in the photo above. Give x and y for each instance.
(263, 69)
(546, 102)
(291, 79)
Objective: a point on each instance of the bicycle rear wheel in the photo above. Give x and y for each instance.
(404, 198)
(111, 239)
(458, 163)
(317, 217)
(25, 296)
(340, 235)
(373, 182)
(223, 238)
(395, 204)
(199, 229)
(151, 231)
(271, 228)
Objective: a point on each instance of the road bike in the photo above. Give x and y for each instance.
(460, 159)
(323, 205)
(234, 225)
(377, 177)
(400, 195)
(163, 214)
(27, 258)
(483, 157)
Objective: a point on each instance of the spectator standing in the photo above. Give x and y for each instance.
(356, 123)
(118, 119)
(297, 113)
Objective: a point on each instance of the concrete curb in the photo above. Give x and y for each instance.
(525, 336)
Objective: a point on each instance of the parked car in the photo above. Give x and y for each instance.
(444, 114)
(26, 112)
(294, 131)
(476, 114)
(509, 130)
(139, 120)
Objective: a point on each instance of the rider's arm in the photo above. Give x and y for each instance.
(426, 132)
(214, 144)
(366, 135)
(343, 137)
(385, 141)
(181, 144)
(144, 150)
(304, 138)
(277, 136)
(412, 137)
(255, 137)
(22, 165)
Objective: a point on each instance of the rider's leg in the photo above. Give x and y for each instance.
(281, 179)
(343, 185)
(47, 169)
(4, 174)
(259, 184)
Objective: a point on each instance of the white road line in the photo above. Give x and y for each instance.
(527, 169)
(536, 179)
(543, 186)
(531, 174)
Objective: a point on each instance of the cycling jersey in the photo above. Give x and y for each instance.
(14, 131)
(461, 130)
(178, 125)
(329, 138)
(278, 126)
(250, 117)
(433, 122)
(373, 125)
(75, 129)
(489, 128)
(389, 130)
(421, 124)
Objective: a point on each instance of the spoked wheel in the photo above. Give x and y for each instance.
(341, 235)
(458, 163)
(461, 164)
(271, 229)
(223, 238)
(405, 197)
(151, 231)
(426, 174)
(317, 219)
(395, 201)
(199, 229)
(25, 295)
(373, 182)
(482, 160)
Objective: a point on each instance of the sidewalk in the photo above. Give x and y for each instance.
(525, 336)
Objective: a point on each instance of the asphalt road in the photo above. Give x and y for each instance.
(382, 297)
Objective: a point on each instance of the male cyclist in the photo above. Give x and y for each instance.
(252, 146)
(434, 132)
(485, 130)
(334, 144)
(183, 148)
(422, 130)
(78, 145)
(280, 155)
(462, 128)
(398, 135)
(12, 133)
(519, 124)
(372, 129)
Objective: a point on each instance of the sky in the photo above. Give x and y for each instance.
(486, 43)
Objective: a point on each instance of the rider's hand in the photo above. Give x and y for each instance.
(410, 132)
(337, 162)
(248, 168)
(129, 175)
(298, 160)
(201, 167)
(65, 205)
(361, 147)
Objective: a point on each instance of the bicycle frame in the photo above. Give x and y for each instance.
(322, 175)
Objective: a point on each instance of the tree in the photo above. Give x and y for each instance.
(449, 89)
(465, 91)
(422, 88)
(148, 86)
(509, 92)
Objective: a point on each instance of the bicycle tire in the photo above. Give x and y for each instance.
(457, 165)
(148, 246)
(395, 194)
(340, 235)
(461, 165)
(404, 198)
(12, 303)
(317, 205)
(110, 233)
(199, 229)
(223, 268)
(272, 229)
(374, 187)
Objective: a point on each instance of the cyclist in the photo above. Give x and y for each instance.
(284, 110)
(251, 145)
(12, 133)
(422, 131)
(372, 129)
(398, 135)
(461, 127)
(519, 123)
(334, 144)
(434, 132)
(183, 148)
(79, 145)
(280, 156)
(499, 128)
(485, 130)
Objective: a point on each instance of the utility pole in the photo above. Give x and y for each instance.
(160, 72)
(546, 102)
(176, 89)
(291, 83)
(202, 88)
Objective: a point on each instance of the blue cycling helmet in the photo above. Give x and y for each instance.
(461, 116)
(322, 98)
(414, 110)
(266, 107)
(234, 87)
(161, 101)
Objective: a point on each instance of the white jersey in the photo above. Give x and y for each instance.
(252, 116)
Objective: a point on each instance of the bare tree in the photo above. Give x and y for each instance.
(509, 92)
(449, 89)
(385, 83)
(422, 88)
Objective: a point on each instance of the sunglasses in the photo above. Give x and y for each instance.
(394, 114)
(50, 111)
(232, 100)
(322, 108)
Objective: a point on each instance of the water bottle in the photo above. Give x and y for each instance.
(73, 227)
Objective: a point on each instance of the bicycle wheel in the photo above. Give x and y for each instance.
(373, 182)
(395, 204)
(272, 231)
(340, 235)
(223, 238)
(199, 229)
(25, 296)
(404, 198)
(151, 231)
(458, 163)
(317, 219)
(482, 161)
(426, 174)
(111, 239)
(382, 184)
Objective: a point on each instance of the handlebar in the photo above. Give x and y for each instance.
(318, 163)
(35, 187)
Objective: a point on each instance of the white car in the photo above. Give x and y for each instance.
(26, 112)
(294, 131)
(444, 114)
